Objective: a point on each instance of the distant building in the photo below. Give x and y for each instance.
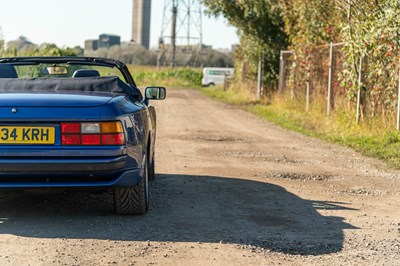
(108, 40)
(141, 22)
(104, 41)
(91, 45)
(204, 46)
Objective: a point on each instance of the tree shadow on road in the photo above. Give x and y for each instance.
(186, 208)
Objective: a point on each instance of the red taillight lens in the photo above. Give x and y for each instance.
(91, 139)
(92, 133)
(113, 139)
(71, 140)
(70, 128)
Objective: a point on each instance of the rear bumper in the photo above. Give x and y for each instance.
(62, 165)
(68, 173)
(128, 178)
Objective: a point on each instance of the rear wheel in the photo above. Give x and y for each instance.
(134, 200)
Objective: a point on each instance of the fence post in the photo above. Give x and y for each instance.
(398, 102)
(359, 91)
(308, 87)
(294, 75)
(259, 78)
(328, 106)
(281, 73)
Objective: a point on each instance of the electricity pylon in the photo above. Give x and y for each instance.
(181, 24)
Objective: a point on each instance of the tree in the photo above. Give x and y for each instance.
(372, 32)
(22, 43)
(1, 42)
(260, 26)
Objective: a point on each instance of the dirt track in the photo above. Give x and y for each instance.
(231, 189)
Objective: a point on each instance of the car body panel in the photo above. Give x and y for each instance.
(88, 99)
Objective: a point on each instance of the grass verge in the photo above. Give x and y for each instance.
(374, 137)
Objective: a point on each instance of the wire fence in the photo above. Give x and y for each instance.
(316, 79)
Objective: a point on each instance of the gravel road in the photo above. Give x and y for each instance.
(231, 189)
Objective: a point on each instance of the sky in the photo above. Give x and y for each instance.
(70, 23)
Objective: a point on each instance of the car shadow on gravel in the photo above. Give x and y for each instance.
(186, 208)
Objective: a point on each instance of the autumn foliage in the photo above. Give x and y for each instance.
(369, 29)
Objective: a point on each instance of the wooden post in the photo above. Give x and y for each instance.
(359, 91)
(398, 103)
(308, 87)
(281, 73)
(259, 78)
(328, 105)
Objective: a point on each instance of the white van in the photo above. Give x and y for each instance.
(215, 75)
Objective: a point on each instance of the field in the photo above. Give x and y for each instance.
(166, 76)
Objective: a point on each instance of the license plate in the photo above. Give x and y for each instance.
(26, 135)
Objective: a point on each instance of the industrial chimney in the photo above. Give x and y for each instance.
(141, 22)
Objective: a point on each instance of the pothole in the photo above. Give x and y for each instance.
(260, 156)
(226, 139)
(300, 176)
(362, 191)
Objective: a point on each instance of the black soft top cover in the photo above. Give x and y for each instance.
(92, 84)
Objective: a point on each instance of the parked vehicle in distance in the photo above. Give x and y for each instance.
(76, 122)
(215, 75)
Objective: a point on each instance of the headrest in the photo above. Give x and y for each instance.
(7, 71)
(84, 73)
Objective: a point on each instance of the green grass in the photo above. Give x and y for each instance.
(374, 137)
(228, 96)
(166, 76)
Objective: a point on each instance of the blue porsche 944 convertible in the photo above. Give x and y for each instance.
(76, 122)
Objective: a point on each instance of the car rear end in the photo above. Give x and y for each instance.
(46, 145)
(76, 122)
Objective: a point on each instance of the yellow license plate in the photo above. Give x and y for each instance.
(26, 135)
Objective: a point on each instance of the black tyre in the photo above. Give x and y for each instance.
(152, 171)
(133, 200)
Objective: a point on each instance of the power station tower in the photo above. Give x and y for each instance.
(141, 22)
(182, 24)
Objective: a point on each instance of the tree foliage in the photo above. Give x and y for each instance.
(372, 31)
(1, 42)
(138, 55)
(312, 22)
(23, 47)
(368, 28)
(260, 25)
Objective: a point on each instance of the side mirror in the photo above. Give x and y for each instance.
(155, 93)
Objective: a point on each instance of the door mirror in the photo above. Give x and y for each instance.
(155, 93)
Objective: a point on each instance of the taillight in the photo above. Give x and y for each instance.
(91, 139)
(92, 133)
(112, 139)
(69, 128)
(71, 139)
